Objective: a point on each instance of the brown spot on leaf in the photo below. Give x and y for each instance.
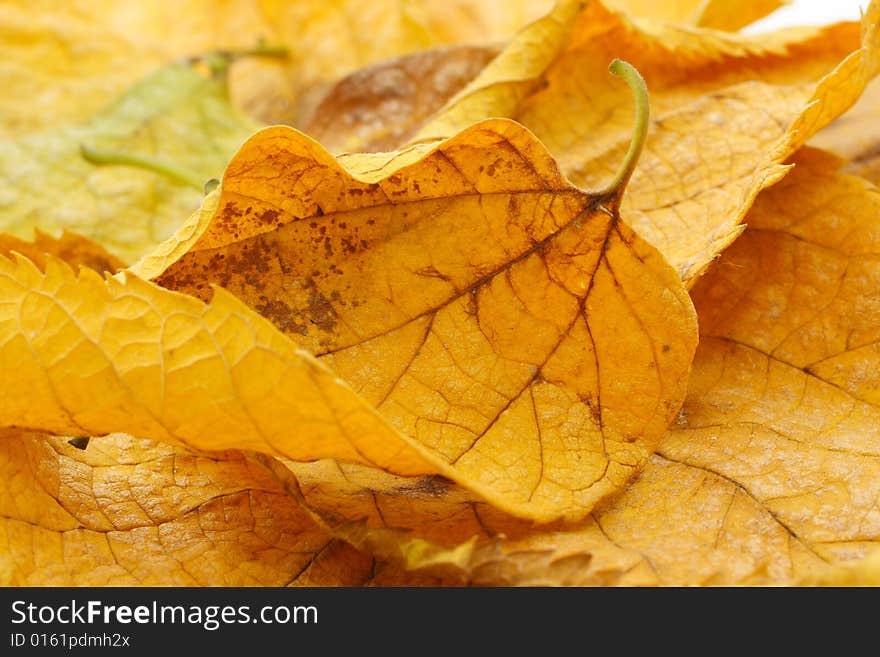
(431, 486)
(321, 312)
(270, 217)
(282, 315)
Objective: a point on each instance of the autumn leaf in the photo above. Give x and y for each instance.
(73, 249)
(855, 136)
(771, 473)
(489, 339)
(437, 358)
(159, 143)
(328, 40)
(545, 428)
(717, 14)
(381, 106)
(117, 44)
(95, 355)
(728, 111)
(115, 370)
(130, 512)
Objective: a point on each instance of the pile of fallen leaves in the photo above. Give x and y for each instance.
(456, 311)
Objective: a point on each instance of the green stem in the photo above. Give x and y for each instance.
(219, 60)
(636, 83)
(175, 173)
(262, 50)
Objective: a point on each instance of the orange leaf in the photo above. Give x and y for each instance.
(72, 248)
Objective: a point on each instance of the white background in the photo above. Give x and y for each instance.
(810, 12)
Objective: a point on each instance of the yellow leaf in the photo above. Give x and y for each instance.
(769, 476)
(863, 572)
(773, 470)
(431, 527)
(130, 512)
(73, 249)
(728, 110)
(856, 136)
(542, 398)
(95, 355)
(495, 314)
(381, 106)
(717, 14)
(117, 43)
(159, 143)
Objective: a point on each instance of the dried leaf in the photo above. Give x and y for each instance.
(445, 364)
(130, 512)
(728, 110)
(73, 249)
(331, 39)
(856, 136)
(489, 347)
(774, 468)
(177, 119)
(381, 106)
(716, 14)
(94, 356)
(543, 427)
(864, 572)
(115, 44)
(770, 475)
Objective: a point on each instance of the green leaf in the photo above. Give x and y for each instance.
(173, 129)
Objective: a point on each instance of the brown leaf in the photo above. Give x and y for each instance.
(380, 107)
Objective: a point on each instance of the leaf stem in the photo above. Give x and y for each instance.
(636, 83)
(175, 173)
(219, 60)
